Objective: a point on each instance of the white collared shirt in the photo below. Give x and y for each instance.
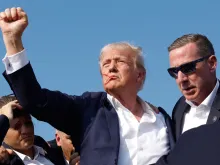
(198, 115)
(39, 157)
(141, 143)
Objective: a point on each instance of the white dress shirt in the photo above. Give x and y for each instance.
(39, 157)
(141, 143)
(198, 115)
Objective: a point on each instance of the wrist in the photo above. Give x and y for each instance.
(13, 44)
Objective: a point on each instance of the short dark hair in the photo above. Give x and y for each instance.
(6, 99)
(203, 44)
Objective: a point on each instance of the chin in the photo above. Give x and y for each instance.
(192, 98)
(28, 144)
(111, 87)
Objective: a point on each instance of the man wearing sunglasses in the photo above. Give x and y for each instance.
(193, 66)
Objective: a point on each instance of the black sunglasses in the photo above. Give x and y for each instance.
(186, 68)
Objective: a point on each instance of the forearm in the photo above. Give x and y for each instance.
(13, 44)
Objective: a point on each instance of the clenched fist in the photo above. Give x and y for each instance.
(13, 21)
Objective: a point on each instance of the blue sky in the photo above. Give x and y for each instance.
(64, 38)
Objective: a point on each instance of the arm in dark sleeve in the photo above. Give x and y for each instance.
(4, 126)
(54, 107)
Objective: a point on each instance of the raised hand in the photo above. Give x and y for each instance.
(13, 23)
(7, 109)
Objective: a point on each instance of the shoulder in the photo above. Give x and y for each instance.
(178, 104)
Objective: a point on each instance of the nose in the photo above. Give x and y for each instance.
(181, 76)
(112, 67)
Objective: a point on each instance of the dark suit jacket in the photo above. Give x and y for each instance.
(54, 155)
(4, 126)
(53, 143)
(89, 119)
(182, 107)
(197, 146)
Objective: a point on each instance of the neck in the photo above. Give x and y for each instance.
(29, 152)
(67, 155)
(129, 100)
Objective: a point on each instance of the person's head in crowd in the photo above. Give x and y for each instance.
(20, 135)
(64, 141)
(122, 68)
(193, 65)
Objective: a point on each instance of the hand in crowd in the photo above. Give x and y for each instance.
(4, 154)
(7, 109)
(75, 159)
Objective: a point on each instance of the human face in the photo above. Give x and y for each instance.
(118, 71)
(20, 135)
(197, 85)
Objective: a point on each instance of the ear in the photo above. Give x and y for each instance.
(141, 75)
(58, 140)
(212, 62)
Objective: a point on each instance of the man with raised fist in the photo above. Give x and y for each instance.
(111, 127)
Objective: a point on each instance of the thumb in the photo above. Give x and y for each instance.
(10, 151)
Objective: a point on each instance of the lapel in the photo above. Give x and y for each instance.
(214, 114)
(182, 108)
(55, 155)
(113, 124)
(169, 127)
(14, 158)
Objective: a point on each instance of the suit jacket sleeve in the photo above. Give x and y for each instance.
(53, 107)
(4, 126)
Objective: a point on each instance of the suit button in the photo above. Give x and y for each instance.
(214, 118)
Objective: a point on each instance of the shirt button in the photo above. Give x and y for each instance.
(9, 65)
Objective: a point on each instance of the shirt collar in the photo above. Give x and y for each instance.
(38, 151)
(209, 100)
(149, 114)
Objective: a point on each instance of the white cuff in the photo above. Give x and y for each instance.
(15, 62)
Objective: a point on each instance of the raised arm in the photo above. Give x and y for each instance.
(53, 107)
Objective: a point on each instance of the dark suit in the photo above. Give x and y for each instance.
(197, 146)
(182, 107)
(4, 126)
(54, 155)
(89, 119)
(53, 143)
